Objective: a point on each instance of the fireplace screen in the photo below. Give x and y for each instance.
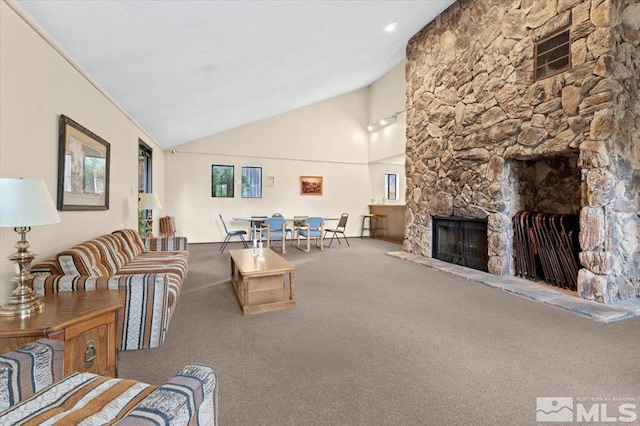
(461, 241)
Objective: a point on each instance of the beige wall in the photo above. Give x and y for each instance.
(326, 139)
(387, 96)
(37, 84)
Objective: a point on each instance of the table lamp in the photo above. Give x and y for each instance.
(24, 203)
(149, 201)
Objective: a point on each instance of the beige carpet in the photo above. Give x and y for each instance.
(375, 340)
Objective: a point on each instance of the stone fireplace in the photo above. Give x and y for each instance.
(484, 140)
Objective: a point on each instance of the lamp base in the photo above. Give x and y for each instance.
(22, 303)
(149, 226)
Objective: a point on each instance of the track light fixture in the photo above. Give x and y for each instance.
(384, 122)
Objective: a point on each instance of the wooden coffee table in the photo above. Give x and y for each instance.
(260, 285)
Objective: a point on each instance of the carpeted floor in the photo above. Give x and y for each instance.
(374, 340)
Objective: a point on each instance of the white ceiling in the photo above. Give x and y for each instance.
(187, 69)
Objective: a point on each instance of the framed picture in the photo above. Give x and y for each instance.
(310, 185)
(222, 181)
(83, 168)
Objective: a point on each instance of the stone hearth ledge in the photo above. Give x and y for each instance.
(534, 291)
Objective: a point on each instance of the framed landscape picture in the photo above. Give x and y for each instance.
(310, 185)
(83, 168)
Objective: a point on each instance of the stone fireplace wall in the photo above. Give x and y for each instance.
(477, 123)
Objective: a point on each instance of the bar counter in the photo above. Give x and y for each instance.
(390, 227)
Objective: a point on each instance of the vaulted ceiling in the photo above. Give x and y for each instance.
(187, 69)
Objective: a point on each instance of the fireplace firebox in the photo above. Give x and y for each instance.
(461, 241)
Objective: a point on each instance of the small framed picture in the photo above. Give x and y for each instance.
(310, 185)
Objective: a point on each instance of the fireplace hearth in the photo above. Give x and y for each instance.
(461, 241)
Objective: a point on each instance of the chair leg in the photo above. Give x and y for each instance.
(346, 239)
(224, 243)
(244, 241)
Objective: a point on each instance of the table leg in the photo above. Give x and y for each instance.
(292, 285)
(245, 296)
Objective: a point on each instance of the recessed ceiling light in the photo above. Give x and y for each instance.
(391, 27)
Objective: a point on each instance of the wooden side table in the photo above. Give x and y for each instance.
(85, 321)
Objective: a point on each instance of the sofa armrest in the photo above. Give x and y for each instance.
(166, 244)
(188, 398)
(29, 369)
(144, 320)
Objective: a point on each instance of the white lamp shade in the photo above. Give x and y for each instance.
(26, 202)
(149, 201)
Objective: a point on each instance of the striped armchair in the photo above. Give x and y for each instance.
(148, 276)
(33, 390)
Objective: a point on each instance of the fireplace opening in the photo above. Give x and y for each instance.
(545, 227)
(546, 246)
(461, 241)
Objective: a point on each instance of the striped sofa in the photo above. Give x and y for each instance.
(147, 273)
(34, 391)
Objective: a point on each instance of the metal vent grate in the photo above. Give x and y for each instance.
(552, 55)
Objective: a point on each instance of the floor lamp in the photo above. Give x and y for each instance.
(24, 203)
(149, 201)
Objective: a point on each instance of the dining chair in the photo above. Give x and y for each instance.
(167, 226)
(275, 229)
(239, 233)
(288, 231)
(256, 224)
(312, 227)
(342, 224)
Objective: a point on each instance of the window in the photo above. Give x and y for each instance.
(391, 186)
(144, 181)
(552, 55)
(251, 182)
(222, 181)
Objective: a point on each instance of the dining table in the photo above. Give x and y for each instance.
(256, 220)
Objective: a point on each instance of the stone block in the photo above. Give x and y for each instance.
(549, 106)
(631, 16)
(598, 262)
(492, 117)
(571, 98)
(474, 154)
(596, 102)
(592, 286)
(532, 136)
(499, 265)
(603, 126)
(513, 24)
(507, 129)
(498, 244)
(593, 154)
(497, 222)
(592, 228)
(600, 187)
(442, 204)
(605, 13)
(579, 52)
(600, 42)
(541, 12)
